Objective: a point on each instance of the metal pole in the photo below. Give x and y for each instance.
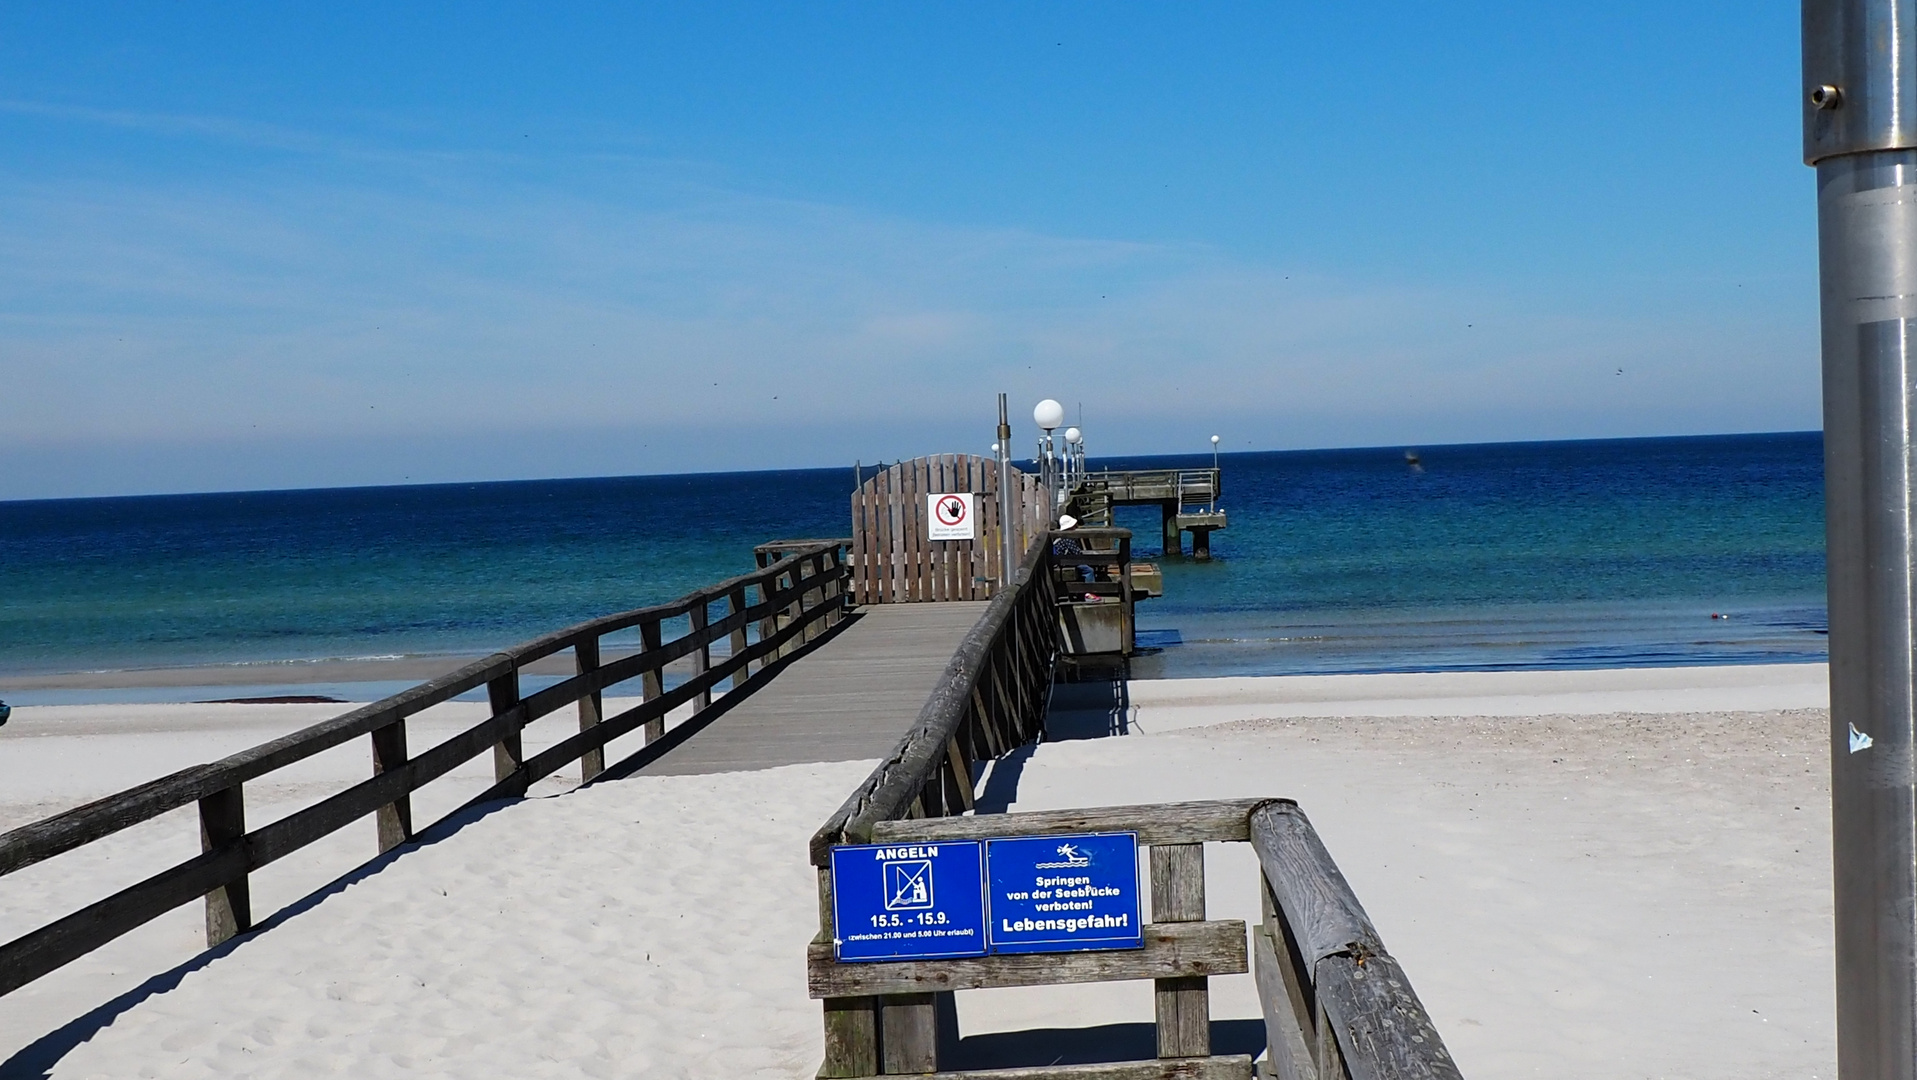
(1051, 479)
(1009, 549)
(1860, 131)
(1214, 474)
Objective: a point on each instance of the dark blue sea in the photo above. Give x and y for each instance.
(1480, 557)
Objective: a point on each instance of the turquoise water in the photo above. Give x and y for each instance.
(1492, 556)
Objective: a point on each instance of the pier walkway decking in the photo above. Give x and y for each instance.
(848, 700)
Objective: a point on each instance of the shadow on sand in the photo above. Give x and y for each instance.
(1043, 1047)
(36, 1060)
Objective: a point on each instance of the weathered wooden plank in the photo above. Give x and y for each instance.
(922, 545)
(948, 584)
(393, 821)
(737, 640)
(1182, 1005)
(229, 909)
(908, 1034)
(885, 551)
(1172, 950)
(1162, 823)
(1289, 1039)
(912, 528)
(702, 655)
(1319, 906)
(503, 694)
(1382, 1028)
(592, 708)
(653, 679)
(1224, 1067)
(851, 1038)
(961, 772)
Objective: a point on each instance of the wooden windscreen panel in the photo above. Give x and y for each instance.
(894, 561)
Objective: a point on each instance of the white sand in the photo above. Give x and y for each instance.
(645, 927)
(1596, 892)
(53, 758)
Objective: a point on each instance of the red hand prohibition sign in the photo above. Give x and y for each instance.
(951, 511)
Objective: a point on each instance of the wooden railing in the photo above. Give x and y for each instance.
(1336, 1005)
(991, 700)
(791, 600)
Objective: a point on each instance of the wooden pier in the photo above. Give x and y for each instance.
(1187, 501)
(846, 702)
(779, 667)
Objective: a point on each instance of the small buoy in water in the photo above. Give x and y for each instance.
(1715, 615)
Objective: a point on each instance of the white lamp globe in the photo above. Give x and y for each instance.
(1048, 414)
(994, 450)
(1074, 436)
(1214, 440)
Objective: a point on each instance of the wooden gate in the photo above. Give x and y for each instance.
(893, 559)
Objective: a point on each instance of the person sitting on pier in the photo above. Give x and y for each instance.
(1069, 545)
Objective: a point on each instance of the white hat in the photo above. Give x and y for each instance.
(1067, 521)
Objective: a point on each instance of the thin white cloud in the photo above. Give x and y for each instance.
(305, 305)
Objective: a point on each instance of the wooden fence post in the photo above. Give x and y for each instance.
(770, 624)
(1290, 1039)
(503, 693)
(815, 564)
(394, 820)
(698, 617)
(592, 707)
(835, 589)
(653, 682)
(1183, 1005)
(229, 909)
(908, 1033)
(736, 603)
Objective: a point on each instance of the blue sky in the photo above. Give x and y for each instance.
(245, 247)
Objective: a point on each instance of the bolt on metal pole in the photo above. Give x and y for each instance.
(1009, 549)
(1860, 131)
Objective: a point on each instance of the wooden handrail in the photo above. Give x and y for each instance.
(1336, 1003)
(991, 699)
(797, 592)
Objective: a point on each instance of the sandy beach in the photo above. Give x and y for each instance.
(1600, 873)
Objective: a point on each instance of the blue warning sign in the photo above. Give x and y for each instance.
(908, 901)
(1064, 893)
